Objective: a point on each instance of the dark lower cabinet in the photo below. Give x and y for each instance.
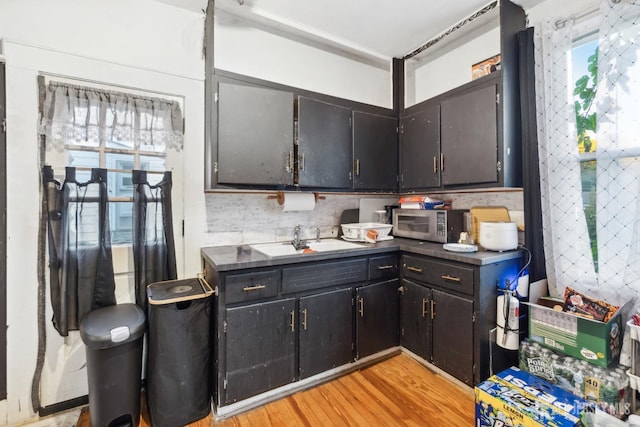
(452, 328)
(448, 309)
(415, 320)
(377, 309)
(260, 348)
(325, 325)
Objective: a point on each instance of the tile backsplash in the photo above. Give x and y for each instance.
(241, 218)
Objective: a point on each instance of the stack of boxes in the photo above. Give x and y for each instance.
(568, 354)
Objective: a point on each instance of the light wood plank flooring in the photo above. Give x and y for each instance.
(395, 392)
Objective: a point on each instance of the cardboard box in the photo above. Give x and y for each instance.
(607, 387)
(591, 340)
(519, 399)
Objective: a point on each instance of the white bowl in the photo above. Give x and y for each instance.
(358, 230)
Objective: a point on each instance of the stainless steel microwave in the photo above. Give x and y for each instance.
(435, 225)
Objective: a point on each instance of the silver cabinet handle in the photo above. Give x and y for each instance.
(304, 319)
(301, 162)
(361, 310)
(414, 269)
(451, 278)
(293, 321)
(435, 164)
(386, 267)
(253, 288)
(424, 307)
(357, 167)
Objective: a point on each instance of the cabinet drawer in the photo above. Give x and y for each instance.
(383, 267)
(322, 275)
(447, 275)
(251, 286)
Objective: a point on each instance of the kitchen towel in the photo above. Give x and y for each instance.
(299, 202)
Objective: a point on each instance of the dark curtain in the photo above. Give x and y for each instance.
(79, 243)
(531, 171)
(154, 255)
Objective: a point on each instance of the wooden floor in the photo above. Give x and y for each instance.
(396, 392)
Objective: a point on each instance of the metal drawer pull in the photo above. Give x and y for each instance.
(452, 278)
(304, 319)
(435, 165)
(386, 267)
(293, 320)
(433, 309)
(414, 269)
(357, 167)
(424, 307)
(253, 288)
(361, 310)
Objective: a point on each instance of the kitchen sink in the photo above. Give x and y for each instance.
(286, 248)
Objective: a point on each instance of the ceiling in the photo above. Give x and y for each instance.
(381, 29)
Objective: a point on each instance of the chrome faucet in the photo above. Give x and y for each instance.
(297, 242)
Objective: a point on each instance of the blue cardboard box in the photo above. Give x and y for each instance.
(519, 399)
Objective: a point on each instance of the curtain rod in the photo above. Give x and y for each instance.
(560, 23)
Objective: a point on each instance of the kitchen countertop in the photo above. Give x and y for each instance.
(238, 257)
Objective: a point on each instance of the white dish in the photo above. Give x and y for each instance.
(380, 239)
(460, 247)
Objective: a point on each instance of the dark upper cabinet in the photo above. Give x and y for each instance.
(469, 137)
(420, 149)
(255, 135)
(375, 152)
(324, 144)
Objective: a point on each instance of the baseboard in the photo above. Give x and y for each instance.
(289, 389)
(63, 406)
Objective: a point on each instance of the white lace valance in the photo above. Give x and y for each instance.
(86, 116)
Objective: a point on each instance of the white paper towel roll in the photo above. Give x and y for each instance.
(299, 202)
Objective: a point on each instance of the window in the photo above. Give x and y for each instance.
(585, 76)
(88, 127)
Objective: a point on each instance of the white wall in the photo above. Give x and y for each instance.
(244, 49)
(448, 68)
(140, 44)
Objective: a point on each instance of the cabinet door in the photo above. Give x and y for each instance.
(255, 135)
(420, 149)
(324, 144)
(469, 126)
(260, 348)
(377, 309)
(325, 322)
(452, 344)
(375, 152)
(415, 320)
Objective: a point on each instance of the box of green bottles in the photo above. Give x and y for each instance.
(607, 387)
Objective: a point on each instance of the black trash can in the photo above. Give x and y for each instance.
(113, 339)
(179, 352)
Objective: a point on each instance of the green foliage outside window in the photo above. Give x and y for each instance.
(584, 93)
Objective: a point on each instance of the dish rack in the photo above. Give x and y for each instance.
(634, 372)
